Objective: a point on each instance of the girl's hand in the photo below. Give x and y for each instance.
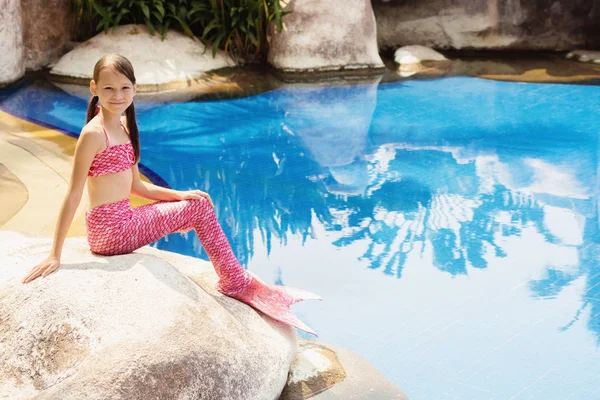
(47, 266)
(195, 194)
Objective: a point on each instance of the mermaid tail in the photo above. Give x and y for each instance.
(272, 300)
(117, 228)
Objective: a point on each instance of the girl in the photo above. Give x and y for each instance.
(107, 155)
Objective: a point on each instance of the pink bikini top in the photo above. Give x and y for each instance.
(113, 159)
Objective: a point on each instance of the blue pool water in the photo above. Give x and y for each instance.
(451, 226)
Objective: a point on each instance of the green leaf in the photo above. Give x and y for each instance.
(150, 27)
(158, 17)
(215, 46)
(214, 24)
(160, 9)
(252, 38)
(101, 10)
(145, 10)
(184, 26)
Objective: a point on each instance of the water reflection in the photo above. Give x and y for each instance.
(401, 188)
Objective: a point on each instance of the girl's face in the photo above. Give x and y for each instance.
(114, 90)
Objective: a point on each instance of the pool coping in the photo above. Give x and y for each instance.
(41, 158)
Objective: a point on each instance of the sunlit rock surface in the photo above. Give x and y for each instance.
(175, 63)
(11, 42)
(322, 36)
(47, 26)
(144, 325)
(584, 56)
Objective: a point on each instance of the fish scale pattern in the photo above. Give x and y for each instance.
(117, 228)
(113, 159)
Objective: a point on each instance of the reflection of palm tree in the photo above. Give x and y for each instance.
(400, 216)
(481, 229)
(589, 266)
(252, 192)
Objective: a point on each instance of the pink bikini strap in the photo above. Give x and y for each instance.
(105, 134)
(125, 128)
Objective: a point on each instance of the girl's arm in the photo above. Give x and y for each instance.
(153, 192)
(88, 144)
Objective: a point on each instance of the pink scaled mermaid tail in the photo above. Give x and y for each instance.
(274, 301)
(117, 228)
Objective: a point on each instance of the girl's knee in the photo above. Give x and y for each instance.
(200, 207)
(201, 203)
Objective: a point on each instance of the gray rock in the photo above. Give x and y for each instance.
(326, 35)
(584, 56)
(327, 372)
(415, 54)
(46, 28)
(12, 66)
(178, 62)
(488, 24)
(147, 325)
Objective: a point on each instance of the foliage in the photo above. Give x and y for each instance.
(239, 27)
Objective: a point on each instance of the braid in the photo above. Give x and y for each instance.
(91, 110)
(134, 133)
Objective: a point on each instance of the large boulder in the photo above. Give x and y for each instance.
(12, 66)
(46, 28)
(144, 325)
(177, 62)
(326, 35)
(488, 24)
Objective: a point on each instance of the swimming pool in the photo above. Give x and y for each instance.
(451, 225)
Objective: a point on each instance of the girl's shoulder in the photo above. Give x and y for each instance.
(92, 132)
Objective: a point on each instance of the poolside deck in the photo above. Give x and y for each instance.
(35, 168)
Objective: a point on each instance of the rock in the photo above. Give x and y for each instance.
(13, 196)
(327, 372)
(584, 56)
(144, 325)
(488, 24)
(409, 60)
(416, 54)
(175, 63)
(46, 28)
(12, 66)
(324, 36)
(315, 369)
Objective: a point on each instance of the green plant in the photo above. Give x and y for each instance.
(240, 27)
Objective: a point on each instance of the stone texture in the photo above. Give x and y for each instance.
(416, 54)
(144, 325)
(327, 372)
(326, 35)
(315, 369)
(488, 24)
(13, 195)
(12, 66)
(46, 28)
(178, 62)
(584, 56)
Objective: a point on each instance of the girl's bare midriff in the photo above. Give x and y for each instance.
(109, 188)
